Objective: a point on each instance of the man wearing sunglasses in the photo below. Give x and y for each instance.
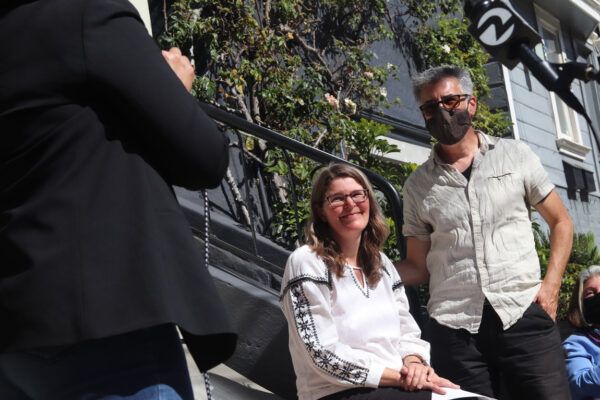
(467, 220)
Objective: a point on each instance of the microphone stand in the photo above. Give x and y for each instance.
(558, 78)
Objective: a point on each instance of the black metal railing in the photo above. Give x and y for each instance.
(236, 125)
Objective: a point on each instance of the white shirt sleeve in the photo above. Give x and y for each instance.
(314, 339)
(535, 178)
(413, 224)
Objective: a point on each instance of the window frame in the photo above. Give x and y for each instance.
(568, 143)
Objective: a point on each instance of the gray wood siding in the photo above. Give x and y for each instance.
(536, 125)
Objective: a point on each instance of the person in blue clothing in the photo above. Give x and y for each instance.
(583, 347)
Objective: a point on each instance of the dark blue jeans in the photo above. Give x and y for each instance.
(148, 364)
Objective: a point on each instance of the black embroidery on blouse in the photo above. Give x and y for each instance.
(365, 290)
(324, 359)
(384, 269)
(397, 285)
(307, 277)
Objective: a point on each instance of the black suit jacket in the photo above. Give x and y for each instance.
(94, 126)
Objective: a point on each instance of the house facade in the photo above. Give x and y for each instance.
(557, 134)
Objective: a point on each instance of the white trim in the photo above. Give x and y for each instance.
(143, 9)
(568, 143)
(571, 115)
(551, 23)
(408, 152)
(511, 101)
(572, 149)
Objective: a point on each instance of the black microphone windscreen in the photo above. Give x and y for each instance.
(500, 29)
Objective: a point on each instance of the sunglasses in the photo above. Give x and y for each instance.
(449, 103)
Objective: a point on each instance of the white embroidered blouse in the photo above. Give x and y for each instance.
(342, 335)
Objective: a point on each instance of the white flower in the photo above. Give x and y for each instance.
(383, 91)
(350, 105)
(369, 75)
(332, 100)
(389, 66)
(446, 48)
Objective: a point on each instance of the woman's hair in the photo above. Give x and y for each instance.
(575, 313)
(320, 237)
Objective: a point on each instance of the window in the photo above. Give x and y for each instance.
(579, 180)
(568, 137)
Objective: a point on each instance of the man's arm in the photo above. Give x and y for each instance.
(561, 239)
(413, 269)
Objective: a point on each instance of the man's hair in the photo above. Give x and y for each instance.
(575, 312)
(436, 74)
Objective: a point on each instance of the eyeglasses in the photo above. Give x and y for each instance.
(339, 199)
(449, 102)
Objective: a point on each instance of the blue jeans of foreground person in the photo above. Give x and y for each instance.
(148, 364)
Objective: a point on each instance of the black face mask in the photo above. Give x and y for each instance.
(591, 309)
(449, 126)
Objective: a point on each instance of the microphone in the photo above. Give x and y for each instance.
(500, 29)
(510, 40)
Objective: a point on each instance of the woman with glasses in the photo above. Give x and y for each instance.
(351, 334)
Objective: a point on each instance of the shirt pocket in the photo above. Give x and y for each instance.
(506, 226)
(502, 180)
(503, 196)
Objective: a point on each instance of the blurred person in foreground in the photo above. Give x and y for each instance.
(468, 228)
(98, 262)
(582, 348)
(351, 335)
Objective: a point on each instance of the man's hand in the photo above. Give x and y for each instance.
(181, 65)
(547, 298)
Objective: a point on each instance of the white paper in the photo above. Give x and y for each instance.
(457, 394)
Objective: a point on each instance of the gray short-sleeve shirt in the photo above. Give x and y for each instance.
(482, 243)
